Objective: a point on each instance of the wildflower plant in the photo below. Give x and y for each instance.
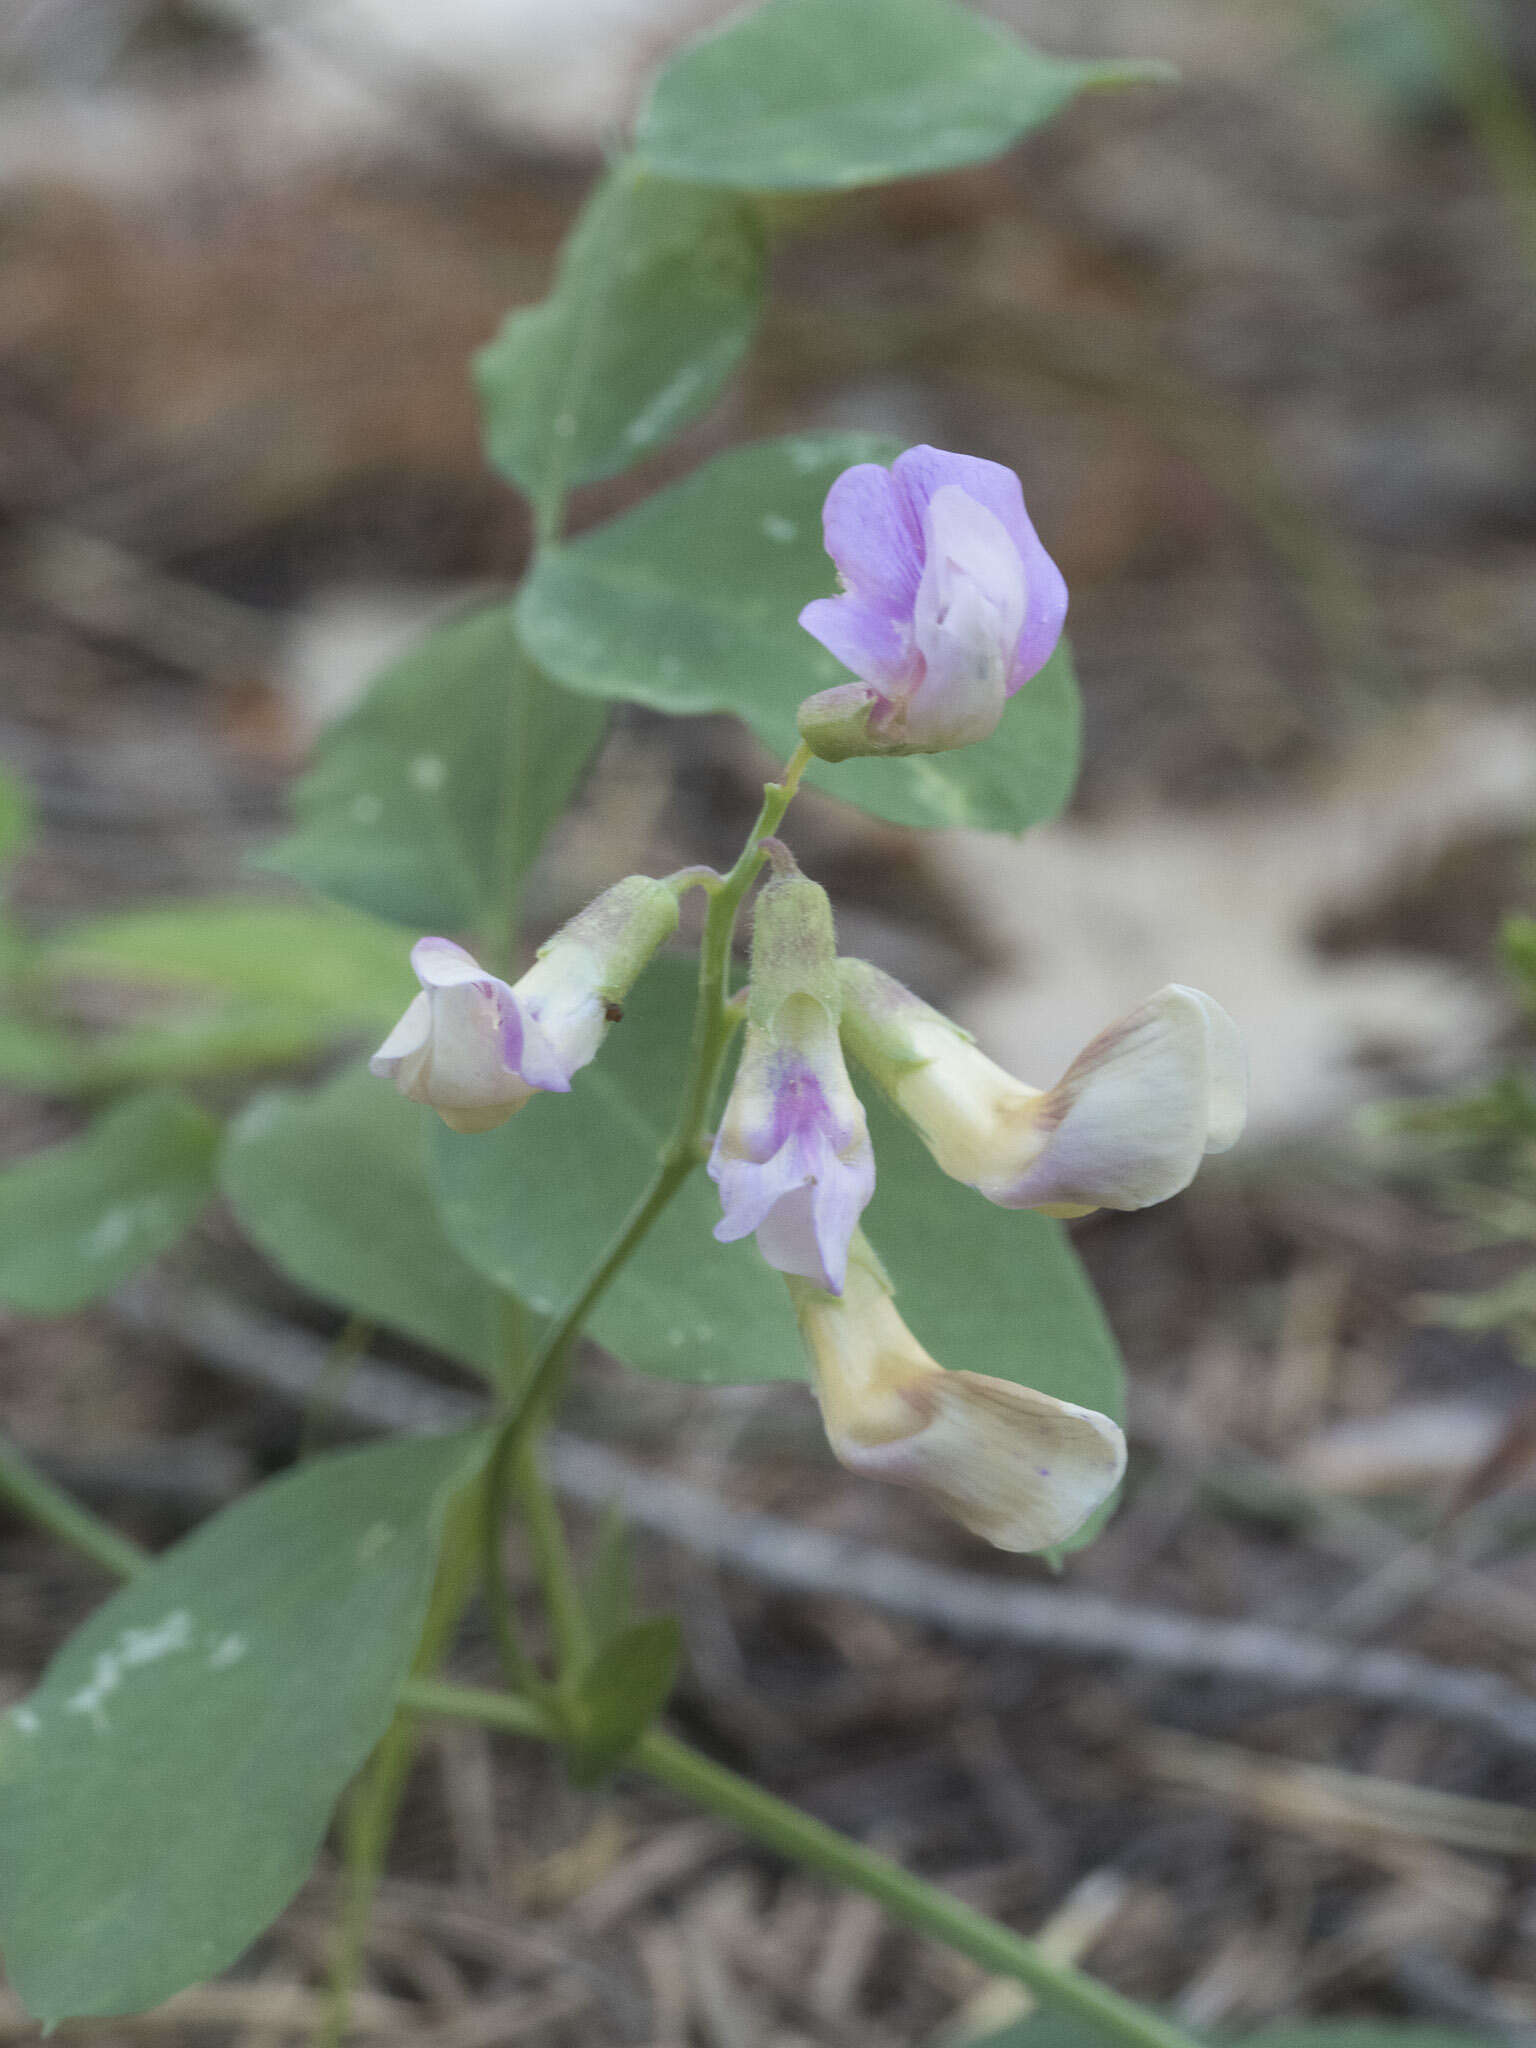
(813, 1174)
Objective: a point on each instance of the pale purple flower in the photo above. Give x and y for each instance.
(477, 1050)
(793, 1160)
(950, 604)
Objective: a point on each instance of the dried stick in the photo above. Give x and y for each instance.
(280, 1358)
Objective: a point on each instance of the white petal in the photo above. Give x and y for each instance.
(1226, 1073)
(1015, 1466)
(1128, 1120)
(439, 963)
(408, 1036)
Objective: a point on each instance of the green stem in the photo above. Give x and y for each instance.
(815, 1846)
(51, 1508)
(551, 1558)
(771, 1821)
(712, 1028)
(373, 1802)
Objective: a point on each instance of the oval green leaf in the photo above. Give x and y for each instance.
(164, 1791)
(620, 1693)
(808, 95)
(332, 1185)
(657, 298)
(432, 798)
(690, 604)
(76, 1220)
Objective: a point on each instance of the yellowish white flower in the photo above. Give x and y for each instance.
(1126, 1125)
(1015, 1466)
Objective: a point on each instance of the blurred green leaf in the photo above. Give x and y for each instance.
(39, 1058)
(329, 966)
(610, 1589)
(805, 95)
(1517, 946)
(657, 298)
(15, 814)
(621, 1692)
(690, 604)
(77, 1219)
(533, 1205)
(431, 799)
(332, 1185)
(164, 1791)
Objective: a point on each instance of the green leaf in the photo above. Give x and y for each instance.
(332, 1185)
(331, 969)
(38, 1057)
(15, 814)
(164, 1791)
(991, 1290)
(806, 95)
(621, 1692)
(534, 1204)
(432, 798)
(656, 300)
(610, 1587)
(79, 1218)
(690, 604)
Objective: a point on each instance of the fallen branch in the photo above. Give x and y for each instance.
(279, 1358)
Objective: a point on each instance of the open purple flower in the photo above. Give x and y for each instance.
(793, 1159)
(949, 605)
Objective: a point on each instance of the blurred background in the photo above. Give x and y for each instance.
(1261, 347)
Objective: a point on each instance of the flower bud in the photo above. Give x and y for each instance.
(1125, 1126)
(949, 605)
(1015, 1466)
(477, 1050)
(792, 1157)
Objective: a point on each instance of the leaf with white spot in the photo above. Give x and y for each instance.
(656, 301)
(164, 1791)
(691, 603)
(77, 1219)
(432, 798)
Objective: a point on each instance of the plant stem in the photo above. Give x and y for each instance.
(51, 1508)
(551, 1557)
(814, 1846)
(712, 1028)
(373, 1802)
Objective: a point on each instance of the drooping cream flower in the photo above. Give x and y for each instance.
(1017, 1467)
(1126, 1125)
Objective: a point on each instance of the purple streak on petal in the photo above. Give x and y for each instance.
(874, 540)
(539, 1061)
(800, 1195)
(877, 647)
(921, 471)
